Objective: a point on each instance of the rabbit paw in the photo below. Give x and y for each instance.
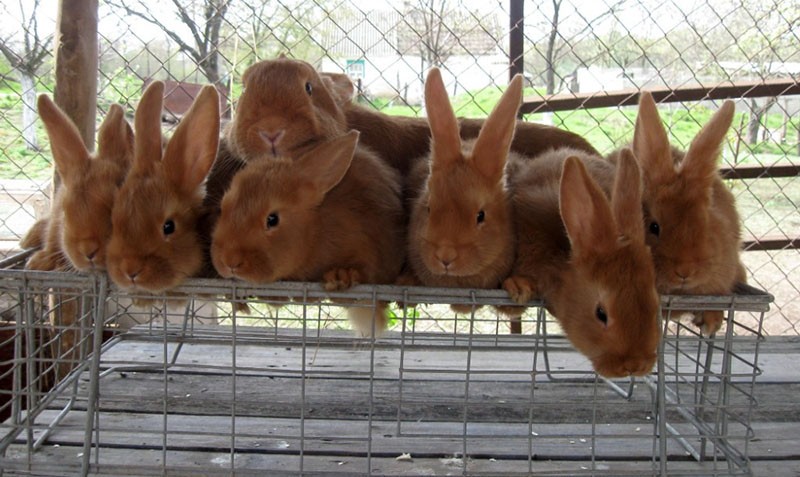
(42, 260)
(709, 321)
(407, 279)
(341, 279)
(520, 289)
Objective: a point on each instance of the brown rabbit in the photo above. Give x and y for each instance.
(155, 243)
(586, 257)
(400, 140)
(285, 110)
(333, 214)
(460, 232)
(79, 227)
(693, 228)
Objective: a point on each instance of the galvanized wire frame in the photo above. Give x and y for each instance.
(654, 44)
(289, 394)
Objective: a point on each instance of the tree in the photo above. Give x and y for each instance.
(26, 50)
(763, 39)
(267, 29)
(570, 33)
(436, 30)
(436, 41)
(550, 68)
(203, 19)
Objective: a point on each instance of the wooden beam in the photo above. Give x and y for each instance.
(630, 97)
(76, 64)
(760, 172)
(770, 243)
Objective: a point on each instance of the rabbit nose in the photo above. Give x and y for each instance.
(683, 273)
(232, 261)
(91, 254)
(446, 256)
(233, 266)
(131, 270)
(271, 137)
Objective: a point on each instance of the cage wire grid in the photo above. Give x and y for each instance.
(124, 390)
(613, 45)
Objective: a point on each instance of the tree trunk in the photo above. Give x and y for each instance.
(29, 115)
(550, 72)
(756, 114)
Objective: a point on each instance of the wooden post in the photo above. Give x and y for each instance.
(76, 94)
(516, 38)
(76, 64)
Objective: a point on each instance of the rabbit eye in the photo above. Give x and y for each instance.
(481, 216)
(308, 87)
(600, 313)
(169, 227)
(655, 229)
(272, 221)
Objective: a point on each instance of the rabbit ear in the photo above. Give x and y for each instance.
(147, 121)
(700, 164)
(69, 151)
(585, 211)
(342, 88)
(325, 166)
(445, 139)
(115, 137)
(494, 140)
(650, 142)
(626, 197)
(193, 147)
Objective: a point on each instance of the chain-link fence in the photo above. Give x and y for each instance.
(386, 47)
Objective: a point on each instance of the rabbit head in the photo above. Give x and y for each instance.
(285, 109)
(270, 215)
(692, 225)
(460, 231)
(155, 244)
(607, 304)
(89, 181)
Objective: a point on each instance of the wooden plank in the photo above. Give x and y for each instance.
(630, 97)
(61, 461)
(634, 440)
(291, 397)
(273, 440)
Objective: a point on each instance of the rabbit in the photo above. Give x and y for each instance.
(402, 140)
(333, 214)
(285, 110)
(586, 256)
(460, 230)
(693, 227)
(155, 242)
(76, 233)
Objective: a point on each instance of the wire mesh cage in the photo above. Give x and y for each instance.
(191, 384)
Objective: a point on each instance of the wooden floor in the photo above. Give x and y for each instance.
(393, 408)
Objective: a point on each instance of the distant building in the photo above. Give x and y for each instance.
(384, 51)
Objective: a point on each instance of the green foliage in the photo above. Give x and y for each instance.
(121, 88)
(396, 313)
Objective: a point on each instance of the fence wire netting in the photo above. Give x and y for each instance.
(386, 47)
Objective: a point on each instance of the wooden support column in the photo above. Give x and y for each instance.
(516, 38)
(76, 64)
